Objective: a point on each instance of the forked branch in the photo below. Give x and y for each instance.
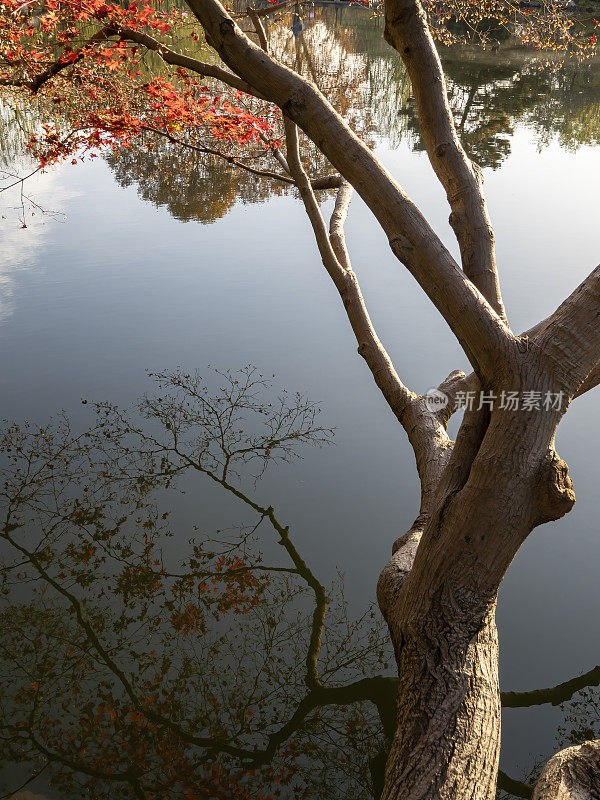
(426, 431)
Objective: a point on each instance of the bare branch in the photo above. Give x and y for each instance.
(337, 236)
(258, 27)
(426, 431)
(570, 338)
(186, 62)
(26, 783)
(555, 694)
(265, 12)
(407, 31)
(324, 182)
(369, 346)
(379, 690)
(516, 788)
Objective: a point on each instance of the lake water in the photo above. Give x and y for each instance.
(140, 275)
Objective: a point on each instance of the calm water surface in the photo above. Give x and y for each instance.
(146, 273)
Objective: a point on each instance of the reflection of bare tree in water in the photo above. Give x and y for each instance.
(133, 669)
(222, 668)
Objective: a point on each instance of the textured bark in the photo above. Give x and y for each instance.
(438, 594)
(570, 338)
(447, 742)
(572, 774)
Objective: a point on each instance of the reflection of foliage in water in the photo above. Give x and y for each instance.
(192, 186)
(581, 719)
(554, 100)
(136, 669)
(17, 123)
(489, 92)
(344, 53)
(570, 110)
(203, 187)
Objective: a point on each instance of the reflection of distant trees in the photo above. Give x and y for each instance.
(192, 186)
(489, 91)
(570, 110)
(485, 99)
(203, 187)
(343, 51)
(17, 123)
(488, 99)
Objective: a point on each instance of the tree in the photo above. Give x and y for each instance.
(481, 495)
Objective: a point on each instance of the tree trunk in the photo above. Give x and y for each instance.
(572, 774)
(447, 743)
(438, 594)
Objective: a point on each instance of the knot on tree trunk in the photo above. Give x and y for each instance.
(572, 774)
(402, 248)
(393, 577)
(556, 495)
